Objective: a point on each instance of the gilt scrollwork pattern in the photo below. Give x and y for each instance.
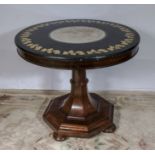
(25, 38)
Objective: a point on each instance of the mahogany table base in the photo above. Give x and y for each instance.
(79, 114)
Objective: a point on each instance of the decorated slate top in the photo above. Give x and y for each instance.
(79, 39)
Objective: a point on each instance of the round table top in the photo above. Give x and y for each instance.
(79, 43)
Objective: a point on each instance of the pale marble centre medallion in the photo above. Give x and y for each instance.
(77, 34)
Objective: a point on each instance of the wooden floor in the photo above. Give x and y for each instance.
(22, 127)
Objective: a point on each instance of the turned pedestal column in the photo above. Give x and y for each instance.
(79, 114)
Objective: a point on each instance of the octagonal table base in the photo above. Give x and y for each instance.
(79, 114)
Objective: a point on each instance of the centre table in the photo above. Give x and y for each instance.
(78, 44)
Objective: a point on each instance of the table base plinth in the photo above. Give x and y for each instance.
(65, 127)
(79, 114)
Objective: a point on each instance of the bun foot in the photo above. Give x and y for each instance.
(110, 129)
(58, 137)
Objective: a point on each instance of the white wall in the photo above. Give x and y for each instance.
(136, 74)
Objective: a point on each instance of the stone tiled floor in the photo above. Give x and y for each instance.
(22, 127)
